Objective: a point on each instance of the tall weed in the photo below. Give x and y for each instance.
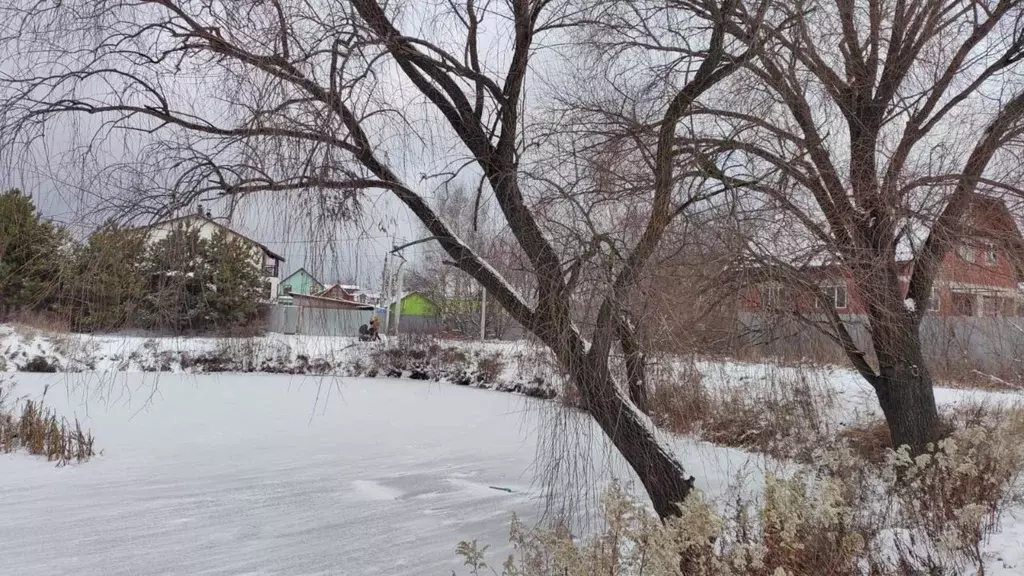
(36, 429)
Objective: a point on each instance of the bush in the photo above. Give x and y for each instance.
(956, 492)
(489, 368)
(912, 516)
(795, 530)
(40, 364)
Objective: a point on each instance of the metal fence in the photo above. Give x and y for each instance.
(951, 345)
(316, 321)
(409, 324)
(467, 324)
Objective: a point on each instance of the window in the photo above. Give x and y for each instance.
(989, 305)
(963, 304)
(1007, 307)
(839, 296)
(770, 296)
(991, 254)
(997, 306)
(935, 302)
(966, 252)
(836, 294)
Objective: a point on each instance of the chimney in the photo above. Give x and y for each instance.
(199, 209)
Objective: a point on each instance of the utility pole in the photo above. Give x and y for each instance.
(483, 313)
(398, 296)
(397, 251)
(385, 294)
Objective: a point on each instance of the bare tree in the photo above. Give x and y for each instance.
(244, 98)
(856, 117)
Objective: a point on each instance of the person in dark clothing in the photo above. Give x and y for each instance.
(370, 332)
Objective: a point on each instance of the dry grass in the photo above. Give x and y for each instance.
(681, 400)
(869, 440)
(30, 323)
(37, 430)
(841, 516)
(968, 378)
(775, 415)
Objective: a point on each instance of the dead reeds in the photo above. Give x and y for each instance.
(38, 430)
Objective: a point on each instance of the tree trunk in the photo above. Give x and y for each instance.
(662, 476)
(904, 386)
(636, 367)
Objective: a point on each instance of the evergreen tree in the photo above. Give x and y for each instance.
(33, 256)
(177, 271)
(109, 279)
(198, 284)
(239, 288)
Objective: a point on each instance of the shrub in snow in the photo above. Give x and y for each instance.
(253, 355)
(428, 359)
(795, 530)
(40, 364)
(842, 516)
(786, 413)
(955, 493)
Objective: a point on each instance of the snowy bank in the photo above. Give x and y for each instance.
(506, 366)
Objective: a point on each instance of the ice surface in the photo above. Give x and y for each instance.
(280, 475)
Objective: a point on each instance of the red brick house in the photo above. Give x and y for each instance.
(980, 278)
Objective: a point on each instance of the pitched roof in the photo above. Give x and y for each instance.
(796, 246)
(326, 300)
(288, 277)
(202, 217)
(916, 231)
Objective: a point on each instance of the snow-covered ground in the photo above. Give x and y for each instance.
(280, 474)
(128, 353)
(283, 475)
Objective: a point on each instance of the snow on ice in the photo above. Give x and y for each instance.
(282, 475)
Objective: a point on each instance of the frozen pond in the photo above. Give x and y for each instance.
(236, 474)
(282, 475)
